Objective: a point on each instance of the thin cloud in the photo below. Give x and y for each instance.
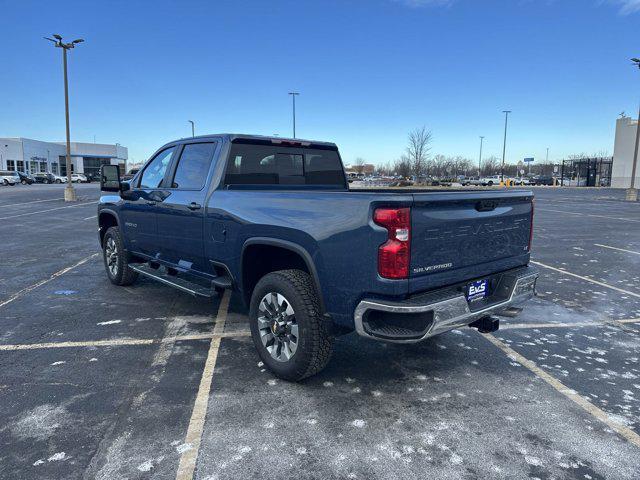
(627, 7)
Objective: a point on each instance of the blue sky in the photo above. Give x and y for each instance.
(368, 72)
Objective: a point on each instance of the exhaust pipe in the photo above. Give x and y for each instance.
(487, 324)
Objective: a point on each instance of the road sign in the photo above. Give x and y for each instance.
(522, 172)
(527, 160)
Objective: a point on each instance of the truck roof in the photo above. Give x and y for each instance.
(237, 136)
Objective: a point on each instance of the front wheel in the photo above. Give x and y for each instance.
(5, 182)
(58, 181)
(115, 259)
(288, 330)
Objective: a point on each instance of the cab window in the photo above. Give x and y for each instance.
(193, 166)
(154, 172)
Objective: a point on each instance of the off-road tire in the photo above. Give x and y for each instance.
(315, 341)
(124, 274)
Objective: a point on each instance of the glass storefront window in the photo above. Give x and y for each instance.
(43, 167)
(21, 166)
(11, 165)
(54, 168)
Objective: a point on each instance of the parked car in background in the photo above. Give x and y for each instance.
(128, 176)
(25, 178)
(79, 178)
(9, 178)
(44, 178)
(59, 178)
(542, 180)
(490, 181)
(470, 181)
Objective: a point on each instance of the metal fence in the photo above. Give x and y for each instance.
(586, 172)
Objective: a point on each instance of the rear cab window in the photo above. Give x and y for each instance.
(193, 166)
(262, 164)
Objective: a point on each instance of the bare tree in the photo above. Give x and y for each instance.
(403, 166)
(418, 150)
(358, 165)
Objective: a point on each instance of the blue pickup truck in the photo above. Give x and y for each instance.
(274, 219)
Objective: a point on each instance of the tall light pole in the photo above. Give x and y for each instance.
(193, 128)
(504, 145)
(480, 157)
(69, 192)
(293, 97)
(632, 192)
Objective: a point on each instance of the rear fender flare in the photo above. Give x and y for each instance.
(294, 247)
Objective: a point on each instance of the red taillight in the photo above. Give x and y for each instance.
(394, 254)
(533, 204)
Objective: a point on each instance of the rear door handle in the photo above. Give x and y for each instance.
(194, 206)
(151, 202)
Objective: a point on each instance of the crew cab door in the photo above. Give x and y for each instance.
(181, 215)
(138, 213)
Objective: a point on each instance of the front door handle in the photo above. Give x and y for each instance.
(151, 202)
(194, 206)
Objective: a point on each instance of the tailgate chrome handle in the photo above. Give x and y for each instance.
(486, 205)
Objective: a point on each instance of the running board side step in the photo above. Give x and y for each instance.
(173, 281)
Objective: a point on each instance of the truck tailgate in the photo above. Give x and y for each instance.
(466, 235)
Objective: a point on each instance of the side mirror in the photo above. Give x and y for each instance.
(110, 178)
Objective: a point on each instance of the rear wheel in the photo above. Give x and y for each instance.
(115, 259)
(58, 181)
(290, 334)
(5, 182)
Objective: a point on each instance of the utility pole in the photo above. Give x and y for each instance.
(632, 192)
(193, 128)
(504, 145)
(69, 191)
(480, 157)
(293, 97)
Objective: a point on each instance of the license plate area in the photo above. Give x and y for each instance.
(477, 290)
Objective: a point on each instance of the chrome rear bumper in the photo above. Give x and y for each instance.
(442, 310)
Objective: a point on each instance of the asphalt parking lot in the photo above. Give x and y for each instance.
(106, 382)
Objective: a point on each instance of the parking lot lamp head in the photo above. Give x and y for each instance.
(69, 191)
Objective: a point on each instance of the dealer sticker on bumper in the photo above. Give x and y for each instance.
(477, 290)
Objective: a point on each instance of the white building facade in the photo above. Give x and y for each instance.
(34, 156)
(623, 151)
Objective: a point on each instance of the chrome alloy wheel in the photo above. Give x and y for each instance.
(111, 255)
(277, 326)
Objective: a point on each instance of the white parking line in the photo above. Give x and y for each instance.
(587, 279)
(26, 203)
(587, 215)
(193, 438)
(48, 210)
(46, 280)
(89, 218)
(616, 248)
(122, 342)
(589, 407)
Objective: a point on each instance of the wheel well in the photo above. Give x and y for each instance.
(106, 221)
(258, 260)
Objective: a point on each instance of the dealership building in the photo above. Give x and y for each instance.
(623, 151)
(33, 156)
